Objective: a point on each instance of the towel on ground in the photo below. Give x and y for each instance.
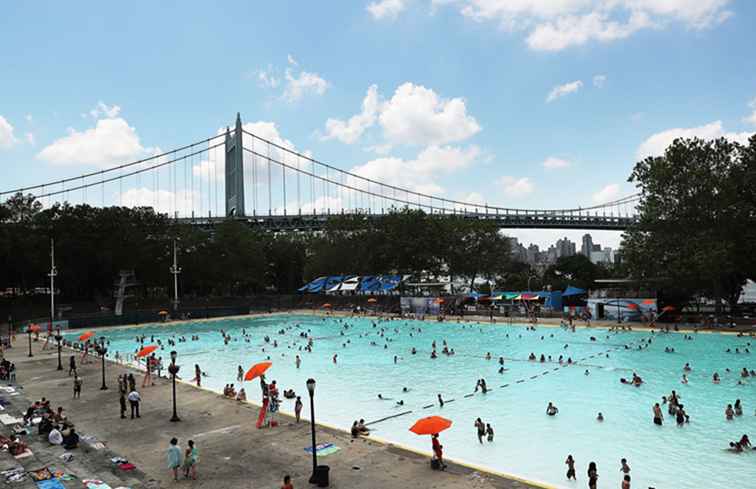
(50, 484)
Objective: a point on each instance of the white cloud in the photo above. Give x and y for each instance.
(516, 187)
(553, 25)
(183, 201)
(607, 194)
(7, 139)
(28, 117)
(752, 117)
(291, 60)
(552, 163)
(417, 115)
(104, 111)
(656, 144)
(599, 80)
(350, 131)
(110, 141)
(386, 9)
(562, 90)
(267, 78)
(29, 138)
(299, 85)
(420, 174)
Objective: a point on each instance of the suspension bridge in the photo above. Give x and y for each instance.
(268, 184)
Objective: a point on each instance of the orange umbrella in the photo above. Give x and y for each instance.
(327, 306)
(632, 305)
(34, 328)
(649, 302)
(372, 300)
(257, 370)
(86, 336)
(163, 312)
(439, 300)
(146, 351)
(430, 425)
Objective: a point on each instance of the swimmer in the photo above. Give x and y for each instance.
(715, 378)
(586, 372)
(570, 462)
(687, 367)
(551, 410)
(729, 413)
(600, 417)
(684, 379)
(440, 401)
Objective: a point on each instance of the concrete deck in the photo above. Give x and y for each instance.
(233, 453)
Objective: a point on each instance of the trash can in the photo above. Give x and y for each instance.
(321, 475)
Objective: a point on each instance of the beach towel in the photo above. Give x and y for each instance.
(7, 419)
(50, 484)
(95, 484)
(42, 474)
(323, 449)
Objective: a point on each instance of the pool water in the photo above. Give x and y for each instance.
(527, 442)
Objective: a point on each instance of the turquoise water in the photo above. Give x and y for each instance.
(528, 443)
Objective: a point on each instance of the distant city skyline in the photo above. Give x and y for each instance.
(534, 255)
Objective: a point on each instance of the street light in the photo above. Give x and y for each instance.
(173, 370)
(58, 338)
(311, 390)
(102, 352)
(28, 330)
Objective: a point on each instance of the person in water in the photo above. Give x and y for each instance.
(570, 462)
(658, 416)
(551, 410)
(481, 427)
(592, 475)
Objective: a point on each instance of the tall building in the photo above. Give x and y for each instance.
(587, 247)
(565, 247)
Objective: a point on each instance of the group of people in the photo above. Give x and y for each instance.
(52, 424)
(359, 429)
(484, 430)
(7, 371)
(187, 461)
(592, 472)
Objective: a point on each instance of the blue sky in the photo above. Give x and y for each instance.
(533, 104)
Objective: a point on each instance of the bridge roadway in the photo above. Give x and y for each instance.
(511, 220)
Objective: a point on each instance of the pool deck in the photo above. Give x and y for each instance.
(233, 453)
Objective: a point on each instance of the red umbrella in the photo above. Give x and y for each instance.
(34, 328)
(86, 336)
(146, 351)
(257, 370)
(326, 306)
(632, 305)
(430, 425)
(649, 302)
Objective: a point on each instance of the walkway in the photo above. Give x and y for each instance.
(234, 454)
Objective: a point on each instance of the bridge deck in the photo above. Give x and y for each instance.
(315, 222)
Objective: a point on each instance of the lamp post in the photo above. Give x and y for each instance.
(53, 273)
(173, 370)
(103, 351)
(28, 330)
(58, 338)
(175, 270)
(311, 390)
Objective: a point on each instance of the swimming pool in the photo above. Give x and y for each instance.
(527, 443)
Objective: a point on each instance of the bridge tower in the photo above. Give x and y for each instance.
(235, 170)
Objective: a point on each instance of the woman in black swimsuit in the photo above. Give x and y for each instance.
(592, 475)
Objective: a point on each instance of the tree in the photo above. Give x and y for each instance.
(697, 216)
(576, 270)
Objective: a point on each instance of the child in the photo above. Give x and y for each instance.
(174, 458)
(626, 482)
(570, 468)
(624, 468)
(489, 432)
(287, 482)
(191, 457)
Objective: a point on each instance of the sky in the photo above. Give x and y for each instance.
(520, 103)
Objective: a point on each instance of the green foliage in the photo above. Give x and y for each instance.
(697, 219)
(576, 270)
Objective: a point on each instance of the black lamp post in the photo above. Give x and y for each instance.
(311, 390)
(103, 351)
(173, 370)
(58, 338)
(28, 330)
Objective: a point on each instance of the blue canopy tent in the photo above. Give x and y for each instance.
(390, 282)
(313, 287)
(570, 291)
(369, 284)
(332, 281)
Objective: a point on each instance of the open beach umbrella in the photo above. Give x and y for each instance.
(372, 300)
(632, 305)
(163, 312)
(146, 351)
(327, 306)
(257, 370)
(86, 336)
(34, 328)
(649, 302)
(439, 300)
(430, 425)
